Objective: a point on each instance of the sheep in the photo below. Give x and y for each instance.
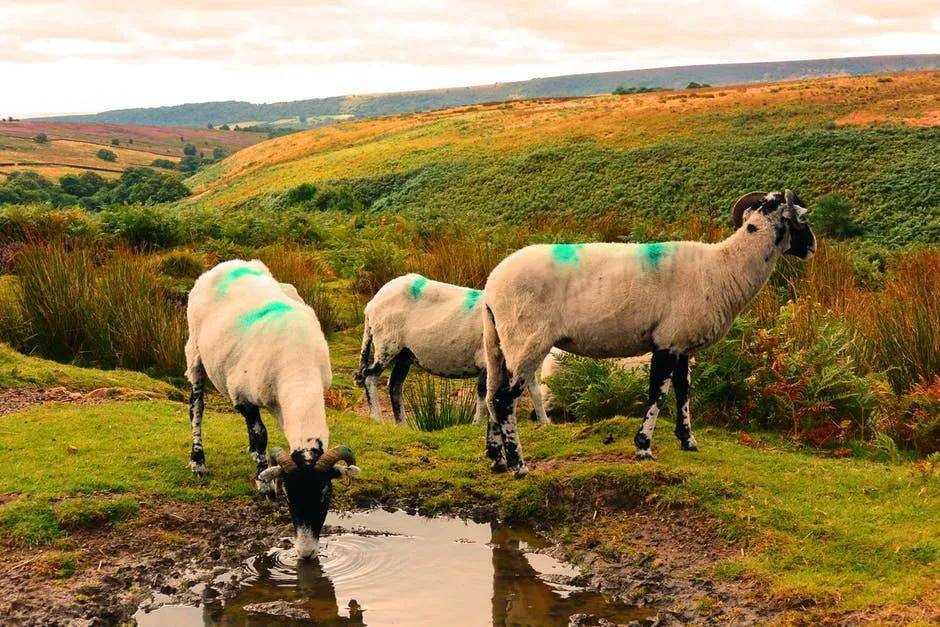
(261, 345)
(618, 300)
(437, 325)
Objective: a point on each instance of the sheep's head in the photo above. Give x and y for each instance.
(784, 213)
(306, 477)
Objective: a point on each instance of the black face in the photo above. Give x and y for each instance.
(802, 241)
(308, 497)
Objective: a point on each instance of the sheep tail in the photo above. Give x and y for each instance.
(365, 355)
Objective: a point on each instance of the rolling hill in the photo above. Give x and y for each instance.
(320, 111)
(875, 140)
(73, 146)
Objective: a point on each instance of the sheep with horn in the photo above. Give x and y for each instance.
(262, 346)
(620, 300)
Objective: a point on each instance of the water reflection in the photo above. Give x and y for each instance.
(389, 568)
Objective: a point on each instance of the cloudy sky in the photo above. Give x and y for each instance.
(72, 56)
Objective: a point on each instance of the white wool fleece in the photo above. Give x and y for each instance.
(620, 300)
(438, 322)
(260, 344)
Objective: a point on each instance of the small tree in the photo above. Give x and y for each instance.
(115, 142)
(832, 215)
(42, 138)
(107, 155)
(189, 150)
(219, 153)
(224, 127)
(209, 125)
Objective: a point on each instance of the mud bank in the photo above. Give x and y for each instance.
(180, 554)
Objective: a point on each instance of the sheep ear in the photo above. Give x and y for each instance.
(745, 202)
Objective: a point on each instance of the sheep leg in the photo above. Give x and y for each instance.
(257, 445)
(502, 433)
(661, 369)
(538, 411)
(369, 372)
(371, 389)
(680, 383)
(197, 456)
(482, 412)
(396, 381)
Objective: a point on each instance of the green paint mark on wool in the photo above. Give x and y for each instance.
(653, 254)
(417, 287)
(274, 310)
(233, 275)
(567, 254)
(471, 300)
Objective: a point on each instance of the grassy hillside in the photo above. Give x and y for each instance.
(72, 147)
(325, 110)
(875, 140)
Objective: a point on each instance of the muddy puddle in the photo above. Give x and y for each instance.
(392, 568)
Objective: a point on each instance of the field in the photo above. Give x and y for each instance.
(72, 146)
(805, 538)
(664, 156)
(814, 498)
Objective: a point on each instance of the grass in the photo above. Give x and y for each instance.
(847, 534)
(433, 403)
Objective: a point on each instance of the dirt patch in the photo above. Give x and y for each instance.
(118, 568)
(931, 118)
(15, 399)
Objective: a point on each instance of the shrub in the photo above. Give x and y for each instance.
(301, 194)
(115, 142)
(166, 164)
(109, 312)
(84, 184)
(832, 216)
(219, 153)
(917, 422)
(107, 155)
(41, 138)
(434, 403)
(189, 150)
(143, 185)
(897, 328)
(22, 223)
(182, 264)
(379, 261)
(597, 389)
(142, 226)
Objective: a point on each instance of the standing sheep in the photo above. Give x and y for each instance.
(261, 346)
(619, 300)
(436, 325)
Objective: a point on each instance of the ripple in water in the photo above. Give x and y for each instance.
(390, 568)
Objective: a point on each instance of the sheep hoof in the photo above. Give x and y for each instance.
(643, 454)
(198, 468)
(690, 447)
(499, 466)
(521, 472)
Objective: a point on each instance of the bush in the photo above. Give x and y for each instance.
(301, 194)
(189, 150)
(379, 261)
(22, 223)
(115, 142)
(107, 155)
(41, 138)
(84, 184)
(166, 164)
(182, 264)
(832, 216)
(434, 403)
(219, 153)
(597, 389)
(109, 312)
(142, 226)
(143, 185)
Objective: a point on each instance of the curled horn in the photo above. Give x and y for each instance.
(335, 454)
(279, 462)
(745, 202)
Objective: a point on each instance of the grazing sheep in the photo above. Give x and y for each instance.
(618, 300)
(438, 326)
(261, 346)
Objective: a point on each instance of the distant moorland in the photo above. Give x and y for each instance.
(319, 111)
